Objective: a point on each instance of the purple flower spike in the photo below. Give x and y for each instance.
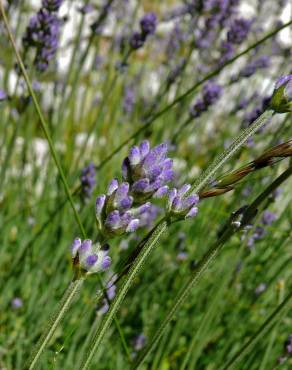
(239, 30)
(91, 257)
(181, 205)
(148, 23)
(268, 218)
(87, 180)
(210, 95)
(147, 170)
(42, 34)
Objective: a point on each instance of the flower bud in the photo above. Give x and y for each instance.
(281, 101)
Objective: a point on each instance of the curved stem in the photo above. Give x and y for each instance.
(229, 152)
(56, 318)
(98, 337)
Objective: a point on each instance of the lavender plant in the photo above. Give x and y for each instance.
(156, 277)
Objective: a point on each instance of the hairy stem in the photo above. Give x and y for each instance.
(70, 293)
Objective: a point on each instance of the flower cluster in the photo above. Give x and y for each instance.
(145, 173)
(148, 25)
(211, 93)
(90, 257)
(87, 180)
(181, 205)
(42, 33)
(238, 30)
(250, 68)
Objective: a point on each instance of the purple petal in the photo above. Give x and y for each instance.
(85, 246)
(113, 185)
(177, 204)
(184, 189)
(75, 247)
(133, 225)
(99, 204)
(161, 192)
(193, 211)
(91, 260)
(113, 220)
(134, 156)
(140, 185)
(106, 262)
(144, 148)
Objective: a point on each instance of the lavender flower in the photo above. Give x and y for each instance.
(211, 93)
(110, 295)
(148, 25)
(238, 31)
(129, 99)
(16, 303)
(114, 212)
(139, 342)
(181, 205)
(87, 180)
(227, 51)
(281, 101)
(90, 257)
(148, 171)
(268, 218)
(261, 62)
(42, 34)
(3, 95)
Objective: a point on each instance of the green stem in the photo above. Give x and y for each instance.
(180, 298)
(271, 320)
(105, 324)
(189, 92)
(229, 152)
(56, 318)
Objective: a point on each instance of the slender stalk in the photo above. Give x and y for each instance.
(180, 298)
(227, 154)
(104, 326)
(271, 320)
(205, 262)
(70, 293)
(189, 92)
